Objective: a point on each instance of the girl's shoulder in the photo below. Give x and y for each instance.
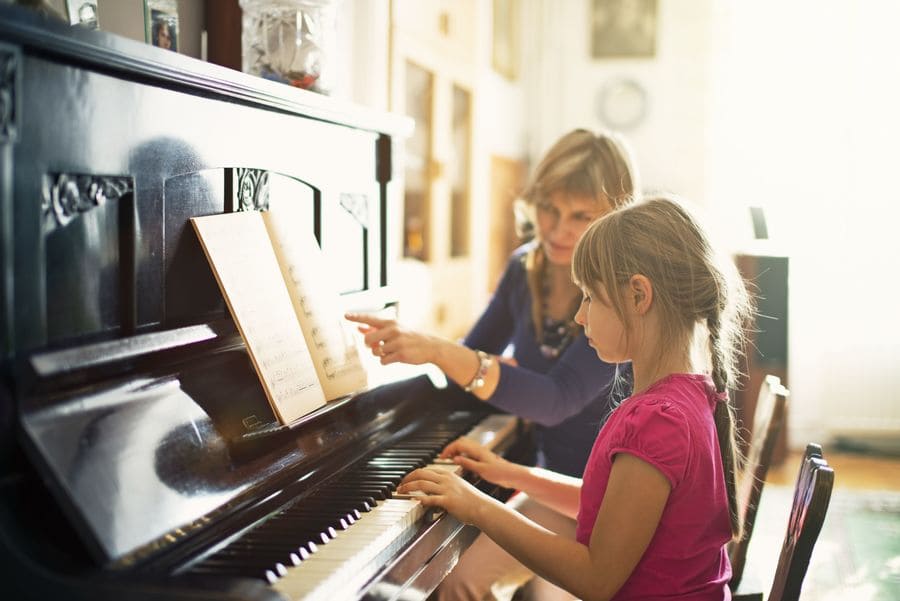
(677, 398)
(652, 426)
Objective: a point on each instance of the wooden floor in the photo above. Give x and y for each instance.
(852, 470)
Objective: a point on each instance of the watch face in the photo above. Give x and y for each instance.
(622, 103)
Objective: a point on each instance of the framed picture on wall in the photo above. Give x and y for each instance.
(83, 12)
(623, 28)
(161, 23)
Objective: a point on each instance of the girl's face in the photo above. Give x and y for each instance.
(562, 218)
(603, 328)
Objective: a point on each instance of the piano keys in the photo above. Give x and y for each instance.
(345, 534)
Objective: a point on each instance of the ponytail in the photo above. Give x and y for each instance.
(725, 425)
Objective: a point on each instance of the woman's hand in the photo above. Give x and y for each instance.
(489, 466)
(394, 344)
(446, 490)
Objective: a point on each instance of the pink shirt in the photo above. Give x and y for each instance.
(671, 427)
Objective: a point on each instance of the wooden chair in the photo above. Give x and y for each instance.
(767, 423)
(811, 496)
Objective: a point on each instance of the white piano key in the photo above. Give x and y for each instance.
(339, 568)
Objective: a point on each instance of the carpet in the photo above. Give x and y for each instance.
(857, 555)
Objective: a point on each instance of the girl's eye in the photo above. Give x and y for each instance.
(584, 217)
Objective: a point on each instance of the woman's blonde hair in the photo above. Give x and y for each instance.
(581, 163)
(693, 285)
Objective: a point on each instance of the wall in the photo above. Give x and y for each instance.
(670, 144)
(806, 128)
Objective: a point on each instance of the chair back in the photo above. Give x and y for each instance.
(811, 496)
(767, 423)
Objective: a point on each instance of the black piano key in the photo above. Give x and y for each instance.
(296, 533)
(338, 522)
(244, 566)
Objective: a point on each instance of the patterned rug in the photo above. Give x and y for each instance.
(857, 555)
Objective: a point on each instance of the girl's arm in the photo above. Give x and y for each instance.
(632, 506)
(559, 492)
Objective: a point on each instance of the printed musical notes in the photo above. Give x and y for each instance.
(285, 306)
(238, 248)
(328, 335)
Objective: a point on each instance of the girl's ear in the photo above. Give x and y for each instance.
(640, 290)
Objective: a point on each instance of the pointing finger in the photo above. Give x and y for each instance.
(369, 320)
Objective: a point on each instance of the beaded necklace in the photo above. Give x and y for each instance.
(557, 333)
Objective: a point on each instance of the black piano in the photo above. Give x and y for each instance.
(139, 458)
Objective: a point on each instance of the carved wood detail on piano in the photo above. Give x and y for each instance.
(252, 189)
(9, 113)
(68, 195)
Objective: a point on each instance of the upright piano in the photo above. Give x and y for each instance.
(139, 458)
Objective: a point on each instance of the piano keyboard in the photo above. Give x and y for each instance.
(329, 545)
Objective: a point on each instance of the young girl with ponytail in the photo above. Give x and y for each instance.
(656, 506)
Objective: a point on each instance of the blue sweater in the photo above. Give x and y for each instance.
(568, 397)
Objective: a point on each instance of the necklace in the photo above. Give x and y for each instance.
(557, 333)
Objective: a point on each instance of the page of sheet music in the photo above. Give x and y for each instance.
(243, 260)
(330, 337)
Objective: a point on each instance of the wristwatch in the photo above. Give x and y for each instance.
(484, 363)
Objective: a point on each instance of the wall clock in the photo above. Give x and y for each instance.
(622, 103)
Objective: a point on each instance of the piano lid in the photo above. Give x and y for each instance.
(144, 460)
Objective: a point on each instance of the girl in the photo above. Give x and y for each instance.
(553, 378)
(656, 506)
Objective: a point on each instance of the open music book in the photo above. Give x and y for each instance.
(275, 283)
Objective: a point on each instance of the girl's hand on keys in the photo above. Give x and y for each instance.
(447, 491)
(475, 458)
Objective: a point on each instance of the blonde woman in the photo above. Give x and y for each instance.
(656, 506)
(553, 378)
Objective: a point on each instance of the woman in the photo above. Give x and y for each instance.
(553, 377)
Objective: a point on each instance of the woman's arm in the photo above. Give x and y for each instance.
(632, 506)
(577, 378)
(392, 343)
(491, 333)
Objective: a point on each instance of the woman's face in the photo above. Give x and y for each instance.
(562, 219)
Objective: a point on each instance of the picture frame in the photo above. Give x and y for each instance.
(623, 28)
(84, 13)
(161, 23)
(505, 39)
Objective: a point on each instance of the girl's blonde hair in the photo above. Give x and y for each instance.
(581, 163)
(692, 285)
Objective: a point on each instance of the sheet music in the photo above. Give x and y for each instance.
(330, 337)
(241, 254)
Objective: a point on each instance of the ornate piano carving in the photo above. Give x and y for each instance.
(138, 455)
